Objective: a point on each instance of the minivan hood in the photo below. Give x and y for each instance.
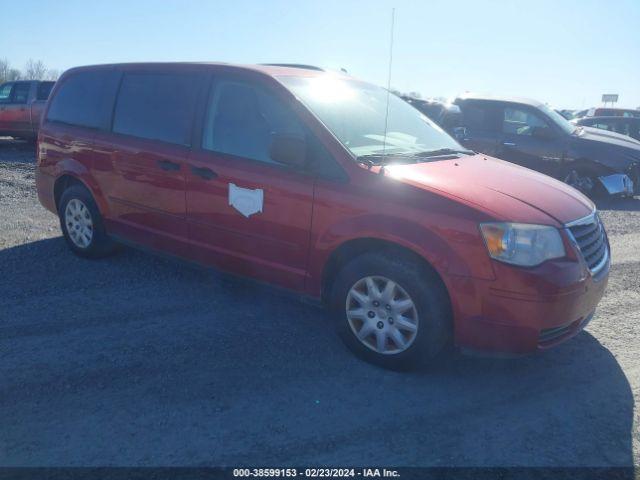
(509, 192)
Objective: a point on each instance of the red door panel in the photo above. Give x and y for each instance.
(144, 183)
(271, 245)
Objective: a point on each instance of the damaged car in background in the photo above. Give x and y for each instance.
(530, 134)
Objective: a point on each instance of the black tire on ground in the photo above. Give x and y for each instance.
(424, 287)
(100, 244)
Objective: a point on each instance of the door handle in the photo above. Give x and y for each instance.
(168, 165)
(509, 144)
(204, 172)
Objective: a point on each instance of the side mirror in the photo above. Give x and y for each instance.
(288, 149)
(542, 133)
(460, 133)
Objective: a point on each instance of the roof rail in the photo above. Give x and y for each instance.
(294, 65)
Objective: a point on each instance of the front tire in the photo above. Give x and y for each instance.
(82, 225)
(584, 182)
(391, 311)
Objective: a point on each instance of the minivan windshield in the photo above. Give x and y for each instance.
(356, 113)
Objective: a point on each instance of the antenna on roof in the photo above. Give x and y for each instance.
(386, 116)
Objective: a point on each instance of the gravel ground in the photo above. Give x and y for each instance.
(137, 360)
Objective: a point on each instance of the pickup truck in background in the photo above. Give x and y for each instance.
(530, 134)
(21, 106)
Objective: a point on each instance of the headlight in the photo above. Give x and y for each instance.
(521, 243)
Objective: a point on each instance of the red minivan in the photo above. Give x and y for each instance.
(328, 186)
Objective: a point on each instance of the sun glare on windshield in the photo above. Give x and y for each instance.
(329, 89)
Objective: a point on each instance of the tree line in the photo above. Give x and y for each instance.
(33, 70)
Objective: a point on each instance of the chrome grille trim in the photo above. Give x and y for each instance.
(589, 238)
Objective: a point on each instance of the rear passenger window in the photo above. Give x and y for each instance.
(242, 119)
(44, 89)
(85, 99)
(156, 106)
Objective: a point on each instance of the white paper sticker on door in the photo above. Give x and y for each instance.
(246, 200)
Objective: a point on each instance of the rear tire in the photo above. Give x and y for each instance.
(82, 224)
(391, 311)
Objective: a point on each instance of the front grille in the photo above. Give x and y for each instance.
(589, 235)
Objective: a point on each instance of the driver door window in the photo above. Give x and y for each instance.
(247, 213)
(520, 121)
(622, 128)
(601, 126)
(20, 93)
(527, 140)
(242, 120)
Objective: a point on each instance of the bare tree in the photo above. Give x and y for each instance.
(52, 74)
(6, 72)
(4, 69)
(13, 74)
(35, 70)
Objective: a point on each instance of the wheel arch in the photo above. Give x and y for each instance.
(350, 249)
(74, 173)
(587, 165)
(62, 183)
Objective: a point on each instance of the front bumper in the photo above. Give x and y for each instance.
(540, 309)
(618, 184)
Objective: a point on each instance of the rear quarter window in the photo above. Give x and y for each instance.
(157, 106)
(85, 99)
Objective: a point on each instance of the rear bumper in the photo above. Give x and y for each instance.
(492, 320)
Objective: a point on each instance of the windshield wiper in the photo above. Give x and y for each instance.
(440, 152)
(382, 159)
(377, 159)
